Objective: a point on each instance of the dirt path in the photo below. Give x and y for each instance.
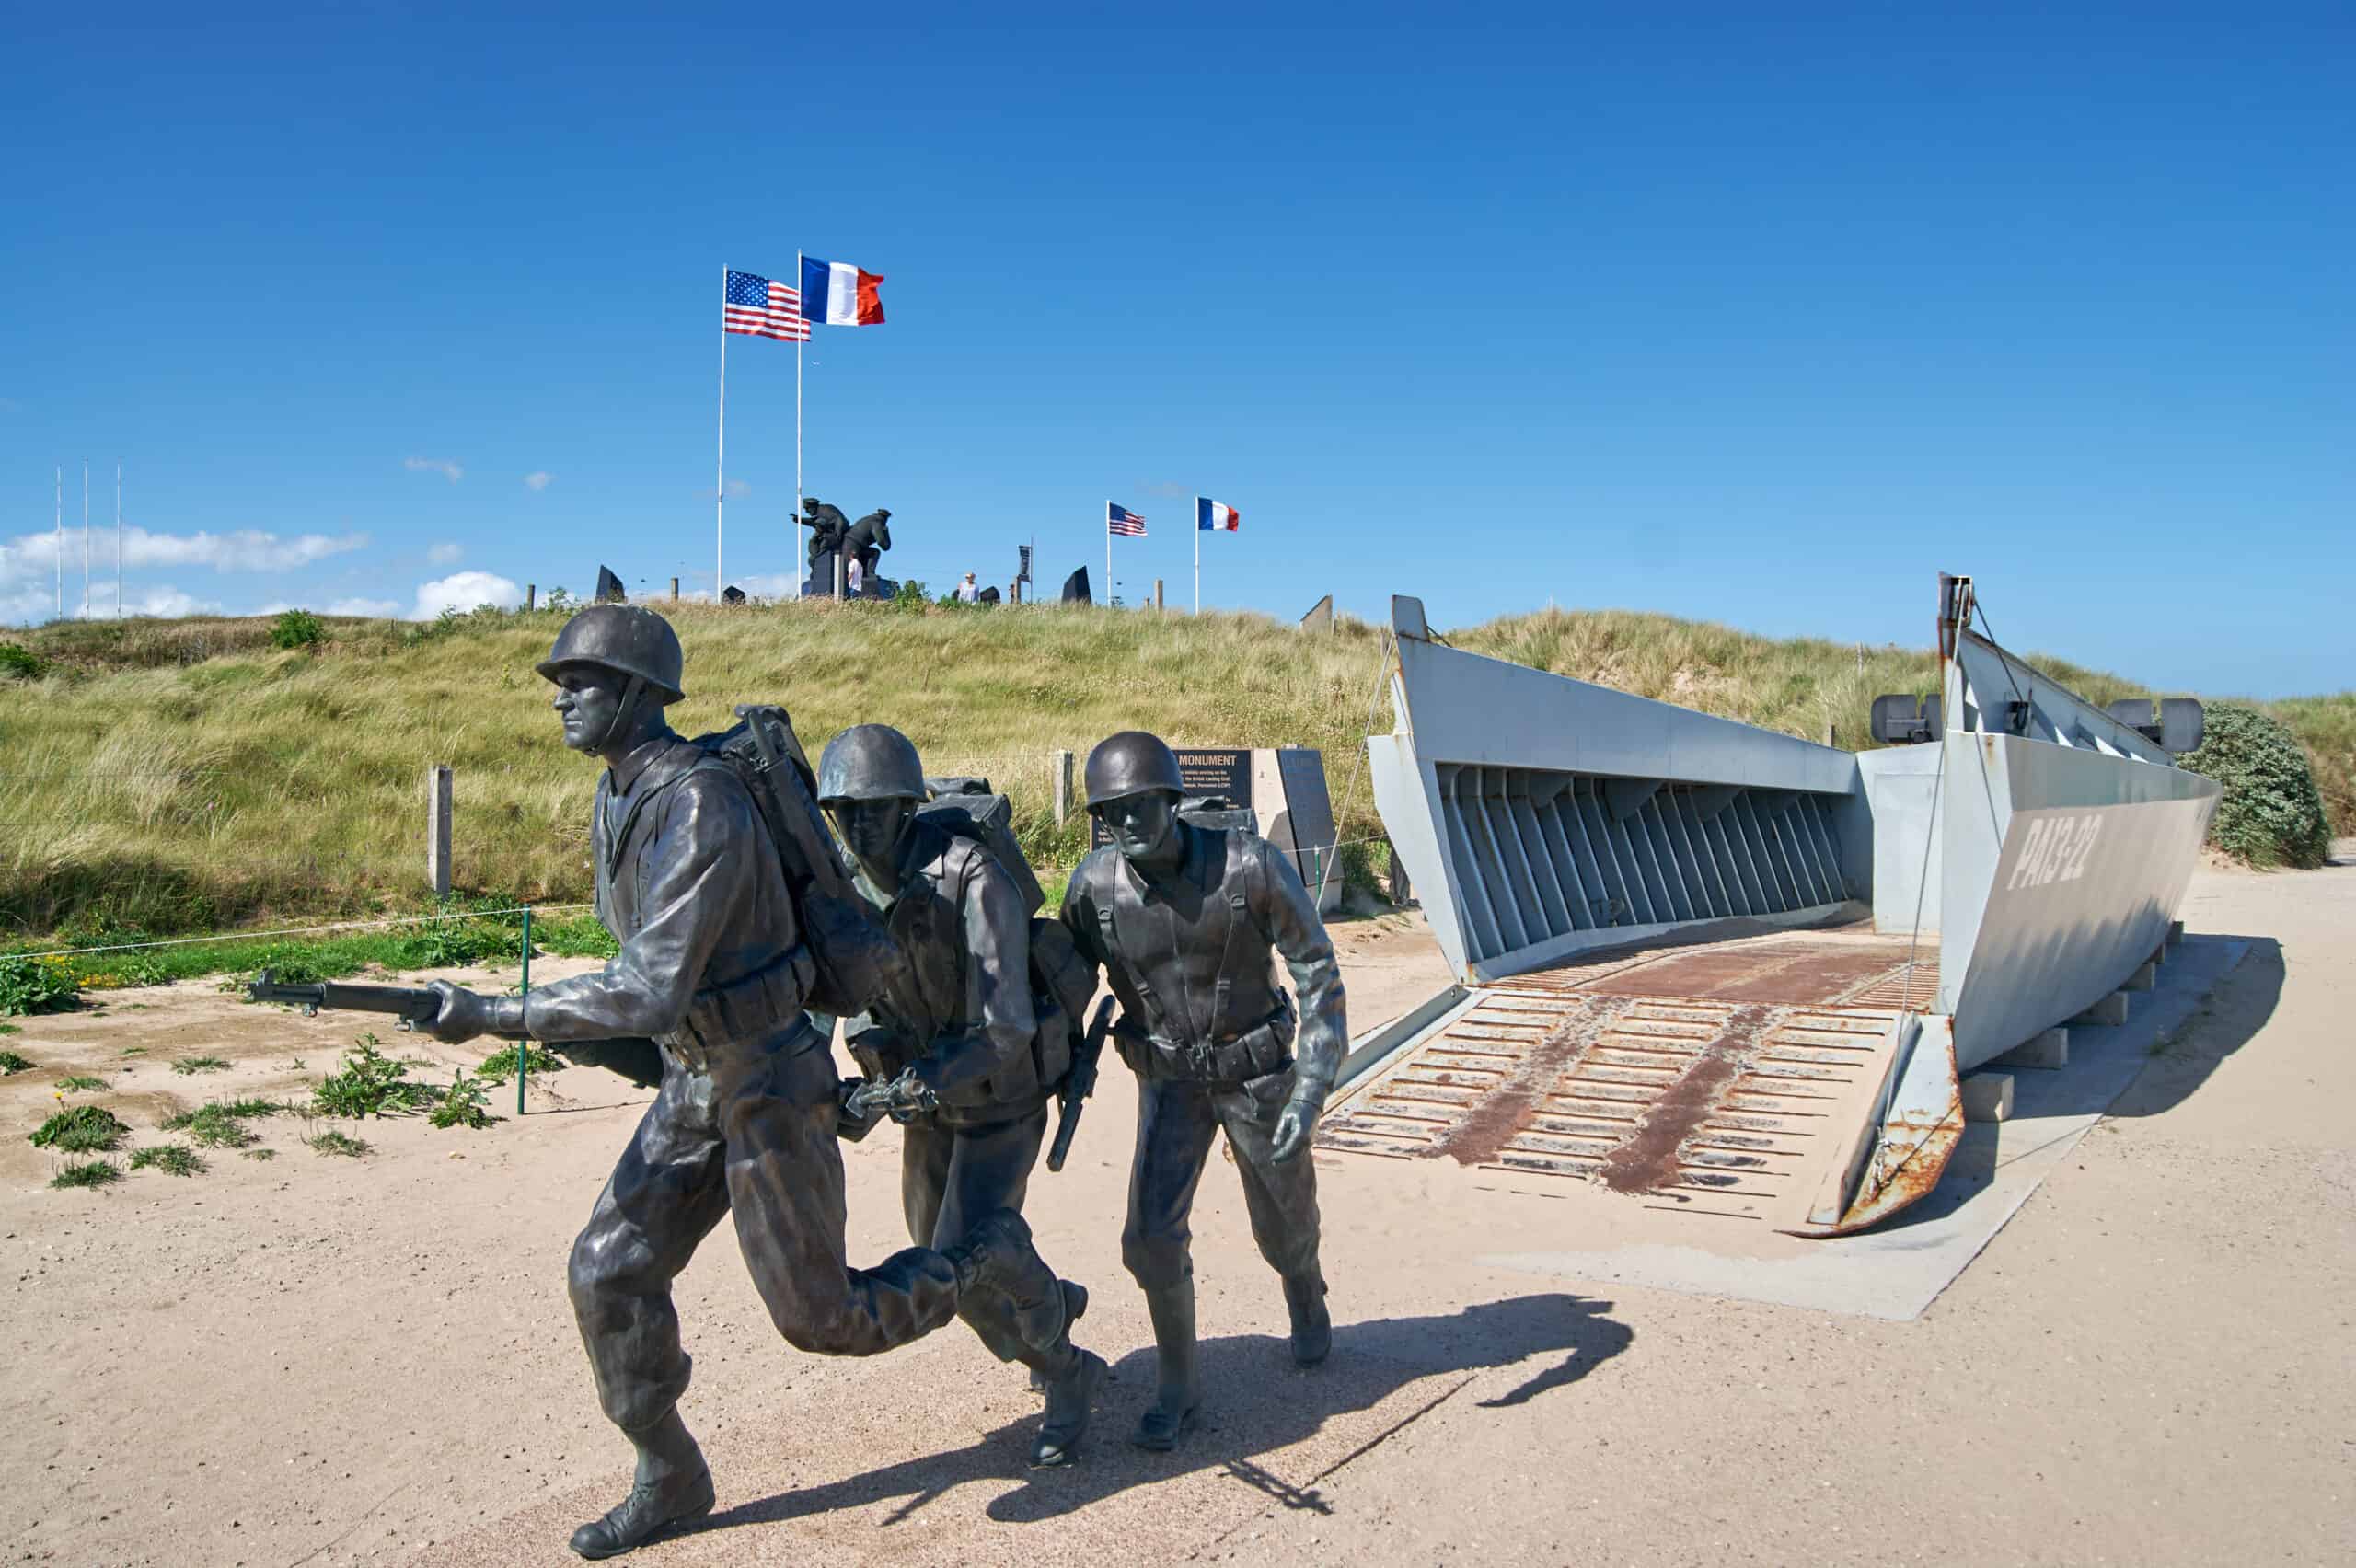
(315, 1360)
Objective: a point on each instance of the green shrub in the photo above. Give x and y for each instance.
(87, 1173)
(170, 1159)
(11, 1063)
(369, 1083)
(20, 662)
(2271, 813)
(221, 1124)
(85, 1129)
(911, 596)
(36, 984)
(295, 628)
(499, 1066)
(333, 1142)
(465, 1103)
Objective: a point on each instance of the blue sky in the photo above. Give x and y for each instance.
(1764, 314)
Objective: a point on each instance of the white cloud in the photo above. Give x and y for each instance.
(464, 591)
(377, 610)
(538, 480)
(29, 556)
(446, 554)
(737, 486)
(442, 466)
(762, 585)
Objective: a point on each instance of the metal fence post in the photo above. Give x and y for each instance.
(437, 828)
(1063, 787)
(523, 1046)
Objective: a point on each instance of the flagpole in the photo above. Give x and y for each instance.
(85, 538)
(118, 539)
(797, 413)
(57, 544)
(1198, 555)
(720, 460)
(1108, 550)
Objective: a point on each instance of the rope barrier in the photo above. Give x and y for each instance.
(301, 931)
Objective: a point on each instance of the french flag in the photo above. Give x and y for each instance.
(1217, 515)
(840, 295)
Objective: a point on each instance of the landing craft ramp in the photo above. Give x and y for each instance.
(1728, 973)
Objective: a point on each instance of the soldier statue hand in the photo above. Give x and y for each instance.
(1296, 1125)
(465, 1014)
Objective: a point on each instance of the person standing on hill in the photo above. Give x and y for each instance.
(714, 966)
(974, 1043)
(1183, 919)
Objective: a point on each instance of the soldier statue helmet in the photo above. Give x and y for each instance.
(871, 781)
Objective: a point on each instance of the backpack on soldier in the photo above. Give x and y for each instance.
(855, 957)
(1062, 981)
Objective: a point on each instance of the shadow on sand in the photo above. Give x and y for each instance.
(1256, 1403)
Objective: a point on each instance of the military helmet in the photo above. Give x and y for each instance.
(627, 638)
(869, 762)
(1131, 763)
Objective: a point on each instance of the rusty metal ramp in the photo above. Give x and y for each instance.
(1743, 1081)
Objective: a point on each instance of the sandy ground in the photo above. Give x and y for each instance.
(315, 1360)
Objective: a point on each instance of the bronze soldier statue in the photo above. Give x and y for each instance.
(828, 524)
(867, 540)
(967, 1035)
(1182, 918)
(712, 965)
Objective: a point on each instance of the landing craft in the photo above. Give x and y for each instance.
(1731, 972)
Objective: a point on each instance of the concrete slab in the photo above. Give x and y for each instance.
(1898, 1271)
(1987, 1097)
(2108, 1013)
(2049, 1051)
(2144, 979)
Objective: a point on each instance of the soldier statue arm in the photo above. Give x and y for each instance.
(701, 872)
(1292, 923)
(996, 931)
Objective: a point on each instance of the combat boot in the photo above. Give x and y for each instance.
(997, 1256)
(673, 1484)
(1071, 1397)
(1172, 1415)
(1312, 1326)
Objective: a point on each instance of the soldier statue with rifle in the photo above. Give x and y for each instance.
(961, 1058)
(1184, 920)
(716, 964)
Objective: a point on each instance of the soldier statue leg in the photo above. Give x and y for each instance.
(1176, 1122)
(1282, 1201)
(948, 1178)
(755, 1135)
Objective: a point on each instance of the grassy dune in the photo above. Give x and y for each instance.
(174, 776)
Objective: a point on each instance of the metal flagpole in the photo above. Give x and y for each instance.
(85, 538)
(118, 539)
(1198, 555)
(720, 459)
(797, 415)
(58, 543)
(1108, 550)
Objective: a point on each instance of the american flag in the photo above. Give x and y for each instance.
(763, 309)
(1121, 520)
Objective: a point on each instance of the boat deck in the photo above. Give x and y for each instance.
(1729, 1079)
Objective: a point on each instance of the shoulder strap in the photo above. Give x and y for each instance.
(630, 818)
(1238, 909)
(1114, 957)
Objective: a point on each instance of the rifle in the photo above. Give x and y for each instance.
(411, 1007)
(1080, 1083)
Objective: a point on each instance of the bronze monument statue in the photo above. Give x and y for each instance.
(715, 966)
(1182, 918)
(827, 526)
(965, 1035)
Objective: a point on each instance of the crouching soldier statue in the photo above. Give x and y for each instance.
(1182, 918)
(712, 965)
(967, 1040)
